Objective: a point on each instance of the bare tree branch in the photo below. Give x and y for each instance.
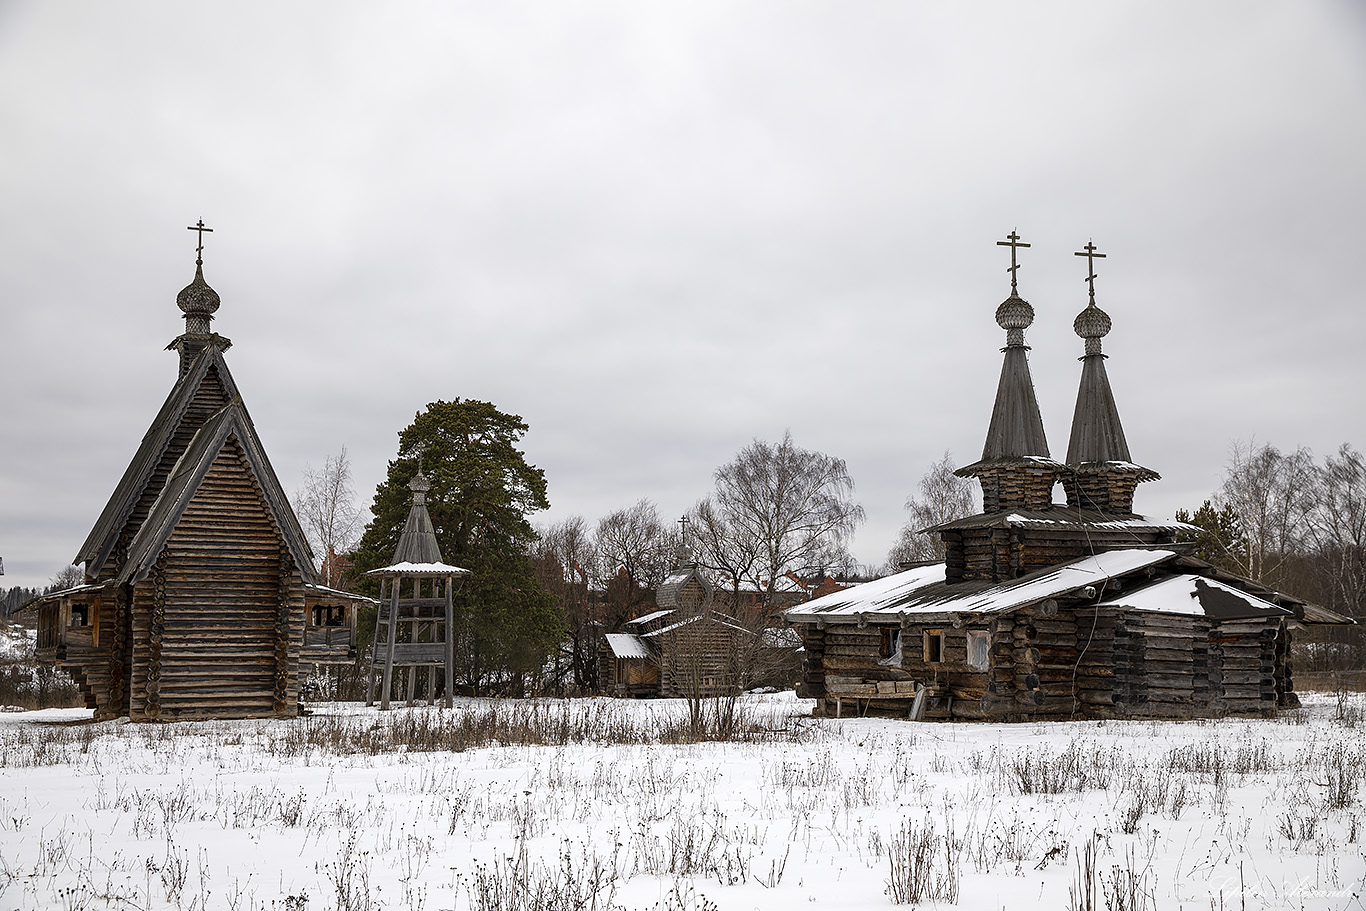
(326, 507)
(943, 497)
(793, 506)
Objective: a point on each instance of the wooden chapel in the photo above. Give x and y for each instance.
(1079, 609)
(199, 582)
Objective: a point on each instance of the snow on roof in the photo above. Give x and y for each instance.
(419, 569)
(627, 645)
(714, 617)
(922, 590)
(653, 615)
(319, 587)
(1064, 517)
(1016, 518)
(1196, 596)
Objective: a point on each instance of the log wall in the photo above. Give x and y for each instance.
(700, 657)
(1059, 661)
(999, 554)
(218, 626)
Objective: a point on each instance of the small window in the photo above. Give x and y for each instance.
(80, 615)
(329, 615)
(934, 646)
(979, 649)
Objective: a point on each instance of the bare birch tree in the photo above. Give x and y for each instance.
(1337, 527)
(326, 507)
(943, 497)
(634, 552)
(563, 558)
(1273, 495)
(795, 505)
(727, 551)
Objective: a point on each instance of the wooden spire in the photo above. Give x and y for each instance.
(1015, 469)
(1103, 476)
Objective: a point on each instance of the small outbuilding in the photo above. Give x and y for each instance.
(689, 646)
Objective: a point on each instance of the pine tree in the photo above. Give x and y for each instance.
(1220, 540)
(482, 491)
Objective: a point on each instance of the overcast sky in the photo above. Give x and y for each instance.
(659, 231)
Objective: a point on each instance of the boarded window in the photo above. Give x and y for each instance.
(934, 646)
(979, 649)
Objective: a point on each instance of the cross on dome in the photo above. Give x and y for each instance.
(199, 251)
(1089, 251)
(1012, 241)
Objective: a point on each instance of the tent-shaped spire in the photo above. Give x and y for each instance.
(1015, 469)
(417, 542)
(1102, 477)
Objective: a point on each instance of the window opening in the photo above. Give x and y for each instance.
(934, 646)
(890, 652)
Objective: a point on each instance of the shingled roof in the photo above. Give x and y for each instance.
(158, 444)
(231, 423)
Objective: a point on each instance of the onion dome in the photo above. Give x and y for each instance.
(198, 302)
(1015, 315)
(419, 485)
(1092, 324)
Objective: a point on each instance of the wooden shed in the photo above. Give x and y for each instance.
(690, 646)
(1054, 610)
(199, 580)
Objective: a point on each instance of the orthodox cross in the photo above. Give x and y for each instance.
(1089, 251)
(199, 251)
(1012, 241)
(684, 523)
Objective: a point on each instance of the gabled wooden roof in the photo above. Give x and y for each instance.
(669, 594)
(104, 536)
(231, 423)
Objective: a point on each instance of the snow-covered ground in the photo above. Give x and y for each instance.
(832, 814)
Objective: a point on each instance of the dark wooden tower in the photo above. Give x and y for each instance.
(197, 572)
(415, 624)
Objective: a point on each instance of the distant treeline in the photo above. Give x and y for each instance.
(11, 598)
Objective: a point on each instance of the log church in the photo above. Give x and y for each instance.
(1079, 609)
(200, 596)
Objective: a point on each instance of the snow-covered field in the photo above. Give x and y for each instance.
(323, 813)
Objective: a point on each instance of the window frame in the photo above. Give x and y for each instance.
(933, 643)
